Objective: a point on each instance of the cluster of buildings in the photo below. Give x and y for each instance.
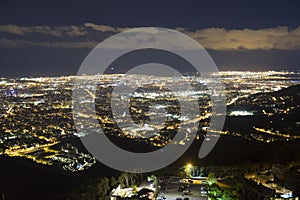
(36, 115)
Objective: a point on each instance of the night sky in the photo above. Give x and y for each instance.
(51, 38)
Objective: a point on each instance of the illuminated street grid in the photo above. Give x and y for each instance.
(37, 120)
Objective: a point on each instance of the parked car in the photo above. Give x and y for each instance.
(203, 191)
(186, 191)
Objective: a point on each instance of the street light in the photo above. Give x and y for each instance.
(188, 168)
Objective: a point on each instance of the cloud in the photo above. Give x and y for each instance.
(105, 28)
(248, 39)
(65, 44)
(14, 29)
(89, 35)
(44, 30)
(151, 38)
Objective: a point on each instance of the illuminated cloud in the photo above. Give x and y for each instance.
(104, 28)
(88, 34)
(247, 39)
(65, 44)
(45, 30)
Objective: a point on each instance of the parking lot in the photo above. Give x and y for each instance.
(172, 192)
